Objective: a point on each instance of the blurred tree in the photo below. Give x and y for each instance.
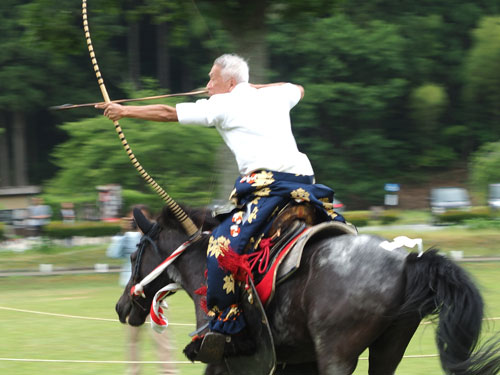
(180, 159)
(39, 66)
(482, 82)
(245, 23)
(363, 65)
(355, 80)
(5, 175)
(428, 103)
(483, 167)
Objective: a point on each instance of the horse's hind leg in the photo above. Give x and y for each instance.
(388, 349)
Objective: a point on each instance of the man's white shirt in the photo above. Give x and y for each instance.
(255, 124)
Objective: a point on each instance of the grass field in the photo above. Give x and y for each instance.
(87, 336)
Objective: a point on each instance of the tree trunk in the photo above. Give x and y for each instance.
(5, 170)
(163, 57)
(19, 149)
(252, 45)
(133, 49)
(248, 32)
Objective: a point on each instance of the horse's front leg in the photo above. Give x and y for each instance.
(216, 369)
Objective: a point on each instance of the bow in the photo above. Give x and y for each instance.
(178, 212)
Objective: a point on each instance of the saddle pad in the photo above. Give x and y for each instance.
(288, 260)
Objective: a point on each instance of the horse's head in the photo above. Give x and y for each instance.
(159, 240)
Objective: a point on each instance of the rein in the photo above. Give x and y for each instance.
(159, 321)
(138, 288)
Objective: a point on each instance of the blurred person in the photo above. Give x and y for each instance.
(39, 214)
(68, 212)
(254, 121)
(122, 246)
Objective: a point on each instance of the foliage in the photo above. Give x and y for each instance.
(389, 216)
(57, 229)
(482, 80)
(358, 218)
(483, 167)
(482, 223)
(428, 103)
(2, 231)
(393, 89)
(179, 158)
(459, 216)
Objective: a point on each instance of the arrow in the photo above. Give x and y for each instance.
(69, 106)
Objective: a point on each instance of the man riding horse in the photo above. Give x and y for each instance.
(254, 121)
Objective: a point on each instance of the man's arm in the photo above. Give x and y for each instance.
(261, 86)
(153, 112)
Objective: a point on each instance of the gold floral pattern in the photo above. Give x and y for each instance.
(263, 178)
(216, 246)
(255, 201)
(253, 215)
(300, 194)
(262, 192)
(228, 284)
(233, 311)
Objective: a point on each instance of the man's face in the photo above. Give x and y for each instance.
(217, 84)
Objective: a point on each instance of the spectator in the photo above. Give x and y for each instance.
(123, 246)
(68, 212)
(39, 214)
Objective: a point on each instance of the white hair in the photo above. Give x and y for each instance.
(233, 66)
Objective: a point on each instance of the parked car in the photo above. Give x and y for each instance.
(494, 196)
(443, 199)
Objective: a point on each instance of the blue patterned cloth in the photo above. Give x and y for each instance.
(259, 196)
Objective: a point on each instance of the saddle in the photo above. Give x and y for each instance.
(295, 225)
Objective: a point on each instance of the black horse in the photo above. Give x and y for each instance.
(348, 295)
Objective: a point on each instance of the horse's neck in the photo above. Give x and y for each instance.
(189, 271)
(190, 267)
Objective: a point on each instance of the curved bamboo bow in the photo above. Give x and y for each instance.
(178, 212)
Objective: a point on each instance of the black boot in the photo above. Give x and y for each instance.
(241, 343)
(213, 346)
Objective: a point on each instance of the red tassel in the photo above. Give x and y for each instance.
(236, 264)
(203, 304)
(202, 291)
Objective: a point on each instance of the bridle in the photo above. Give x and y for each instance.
(138, 288)
(141, 246)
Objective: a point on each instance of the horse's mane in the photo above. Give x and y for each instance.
(202, 217)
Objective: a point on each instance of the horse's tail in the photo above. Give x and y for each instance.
(436, 285)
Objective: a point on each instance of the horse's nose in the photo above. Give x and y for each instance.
(122, 309)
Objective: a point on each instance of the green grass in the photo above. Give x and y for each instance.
(40, 336)
(59, 256)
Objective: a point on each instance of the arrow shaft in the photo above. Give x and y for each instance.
(70, 106)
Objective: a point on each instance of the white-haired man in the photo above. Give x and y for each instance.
(254, 121)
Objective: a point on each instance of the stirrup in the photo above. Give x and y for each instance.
(212, 347)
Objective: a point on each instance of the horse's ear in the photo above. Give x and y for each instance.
(141, 221)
